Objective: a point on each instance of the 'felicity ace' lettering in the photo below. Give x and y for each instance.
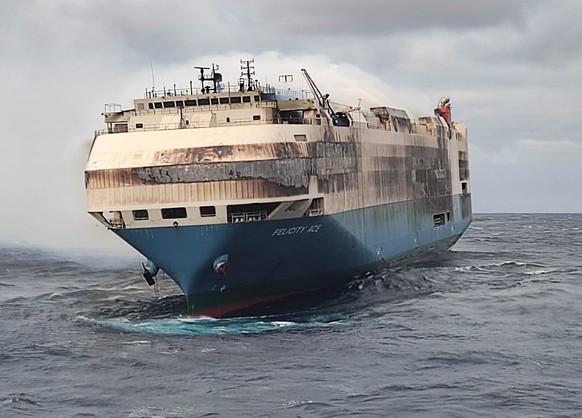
(296, 230)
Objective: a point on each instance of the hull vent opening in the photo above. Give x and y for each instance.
(251, 212)
(316, 207)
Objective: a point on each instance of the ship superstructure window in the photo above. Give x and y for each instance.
(203, 102)
(292, 116)
(235, 99)
(169, 104)
(246, 99)
(140, 215)
(174, 213)
(257, 99)
(139, 125)
(438, 219)
(150, 105)
(207, 211)
(214, 100)
(224, 100)
(191, 102)
(158, 105)
(300, 137)
(179, 103)
(256, 117)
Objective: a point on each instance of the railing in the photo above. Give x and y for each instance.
(239, 122)
(247, 217)
(314, 212)
(228, 88)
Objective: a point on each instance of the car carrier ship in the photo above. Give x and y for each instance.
(244, 193)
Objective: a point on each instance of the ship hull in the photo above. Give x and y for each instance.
(270, 260)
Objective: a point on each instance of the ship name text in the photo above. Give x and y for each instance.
(296, 230)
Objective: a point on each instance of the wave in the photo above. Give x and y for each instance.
(503, 264)
(204, 326)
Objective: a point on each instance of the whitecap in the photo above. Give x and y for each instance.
(140, 342)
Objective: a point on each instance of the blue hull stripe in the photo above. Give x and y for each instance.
(280, 250)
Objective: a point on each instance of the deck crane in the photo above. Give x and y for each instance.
(339, 118)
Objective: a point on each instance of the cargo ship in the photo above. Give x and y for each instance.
(244, 193)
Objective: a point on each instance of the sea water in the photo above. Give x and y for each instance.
(491, 329)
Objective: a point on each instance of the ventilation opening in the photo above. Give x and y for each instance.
(207, 211)
(251, 212)
(140, 215)
(316, 207)
(438, 219)
(174, 213)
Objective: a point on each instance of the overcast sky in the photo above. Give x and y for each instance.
(513, 70)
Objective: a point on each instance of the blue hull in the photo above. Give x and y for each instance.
(269, 259)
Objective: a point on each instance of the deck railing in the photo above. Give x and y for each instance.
(232, 123)
(228, 88)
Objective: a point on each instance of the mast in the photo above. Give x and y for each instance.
(215, 78)
(247, 71)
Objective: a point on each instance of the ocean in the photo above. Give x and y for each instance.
(490, 329)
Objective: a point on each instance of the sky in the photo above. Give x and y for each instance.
(512, 68)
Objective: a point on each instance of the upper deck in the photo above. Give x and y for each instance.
(191, 109)
(248, 103)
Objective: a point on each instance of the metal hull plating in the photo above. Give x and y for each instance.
(272, 259)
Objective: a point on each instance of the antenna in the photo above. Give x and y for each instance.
(247, 71)
(152, 68)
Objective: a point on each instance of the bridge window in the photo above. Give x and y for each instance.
(235, 99)
(214, 100)
(191, 102)
(169, 104)
(246, 99)
(174, 213)
(224, 100)
(203, 102)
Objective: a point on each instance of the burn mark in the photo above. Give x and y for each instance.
(286, 172)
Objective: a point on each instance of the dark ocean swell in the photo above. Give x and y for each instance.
(490, 329)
